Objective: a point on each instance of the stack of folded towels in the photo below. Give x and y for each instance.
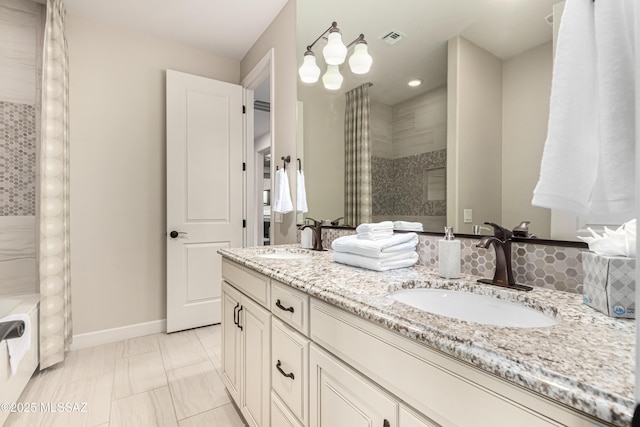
(407, 226)
(375, 247)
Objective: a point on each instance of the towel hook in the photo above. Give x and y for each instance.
(299, 164)
(286, 160)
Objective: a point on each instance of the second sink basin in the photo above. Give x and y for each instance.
(474, 308)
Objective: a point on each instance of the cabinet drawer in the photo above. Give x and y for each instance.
(280, 414)
(290, 368)
(249, 282)
(410, 418)
(290, 305)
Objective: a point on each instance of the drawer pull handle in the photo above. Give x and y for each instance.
(239, 325)
(282, 307)
(235, 314)
(289, 375)
(386, 423)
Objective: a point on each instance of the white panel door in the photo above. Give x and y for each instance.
(204, 194)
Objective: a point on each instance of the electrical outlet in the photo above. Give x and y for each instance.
(468, 216)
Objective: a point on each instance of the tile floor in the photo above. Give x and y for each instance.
(157, 380)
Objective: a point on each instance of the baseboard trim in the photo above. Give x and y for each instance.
(107, 336)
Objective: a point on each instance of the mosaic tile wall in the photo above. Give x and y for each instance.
(17, 159)
(551, 267)
(396, 185)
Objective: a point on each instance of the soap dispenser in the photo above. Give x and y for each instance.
(449, 255)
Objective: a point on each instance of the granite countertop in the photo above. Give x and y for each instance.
(585, 362)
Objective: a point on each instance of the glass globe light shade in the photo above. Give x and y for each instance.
(309, 70)
(332, 79)
(360, 61)
(335, 51)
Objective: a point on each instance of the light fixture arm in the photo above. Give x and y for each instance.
(334, 24)
(360, 39)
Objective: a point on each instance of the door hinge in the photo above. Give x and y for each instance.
(244, 166)
(244, 109)
(244, 223)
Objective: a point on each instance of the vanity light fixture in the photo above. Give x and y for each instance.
(335, 53)
(414, 82)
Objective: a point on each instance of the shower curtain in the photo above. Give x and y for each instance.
(55, 290)
(357, 157)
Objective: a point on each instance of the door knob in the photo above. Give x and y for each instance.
(175, 234)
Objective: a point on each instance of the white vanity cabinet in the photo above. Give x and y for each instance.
(290, 360)
(246, 337)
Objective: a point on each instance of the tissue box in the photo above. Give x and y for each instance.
(610, 284)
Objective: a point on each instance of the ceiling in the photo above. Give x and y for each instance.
(227, 28)
(503, 27)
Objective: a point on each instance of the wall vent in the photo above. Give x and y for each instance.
(392, 37)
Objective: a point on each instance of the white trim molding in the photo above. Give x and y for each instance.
(106, 336)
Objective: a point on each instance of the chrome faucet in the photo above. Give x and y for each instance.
(503, 275)
(317, 233)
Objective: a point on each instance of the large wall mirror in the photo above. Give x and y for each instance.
(469, 139)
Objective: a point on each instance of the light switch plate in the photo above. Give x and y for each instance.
(468, 216)
(278, 217)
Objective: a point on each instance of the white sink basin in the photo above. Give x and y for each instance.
(474, 308)
(285, 255)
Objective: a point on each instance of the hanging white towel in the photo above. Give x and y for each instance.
(282, 200)
(402, 260)
(301, 200)
(588, 160)
(376, 248)
(18, 347)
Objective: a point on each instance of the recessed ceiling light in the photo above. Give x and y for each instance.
(415, 82)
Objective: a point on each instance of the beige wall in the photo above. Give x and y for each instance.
(474, 135)
(118, 221)
(281, 36)
(323, 151)
(420, 124)
(525, 95)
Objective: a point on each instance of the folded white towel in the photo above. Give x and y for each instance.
(588, 161)
(396, 244)
(374, 226)
(402, 260)
(407, 225)
(301, 200)
(282, 200)
(18, 347)
(375, 235)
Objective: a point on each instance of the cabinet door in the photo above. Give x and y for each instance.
(231, 341)
(340, 397)
(256, 345)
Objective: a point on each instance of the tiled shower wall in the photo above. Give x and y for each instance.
(397, 185)
(546, 266)
(17, 159)
(20, 68)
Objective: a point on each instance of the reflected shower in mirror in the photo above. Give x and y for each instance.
(470, 137)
